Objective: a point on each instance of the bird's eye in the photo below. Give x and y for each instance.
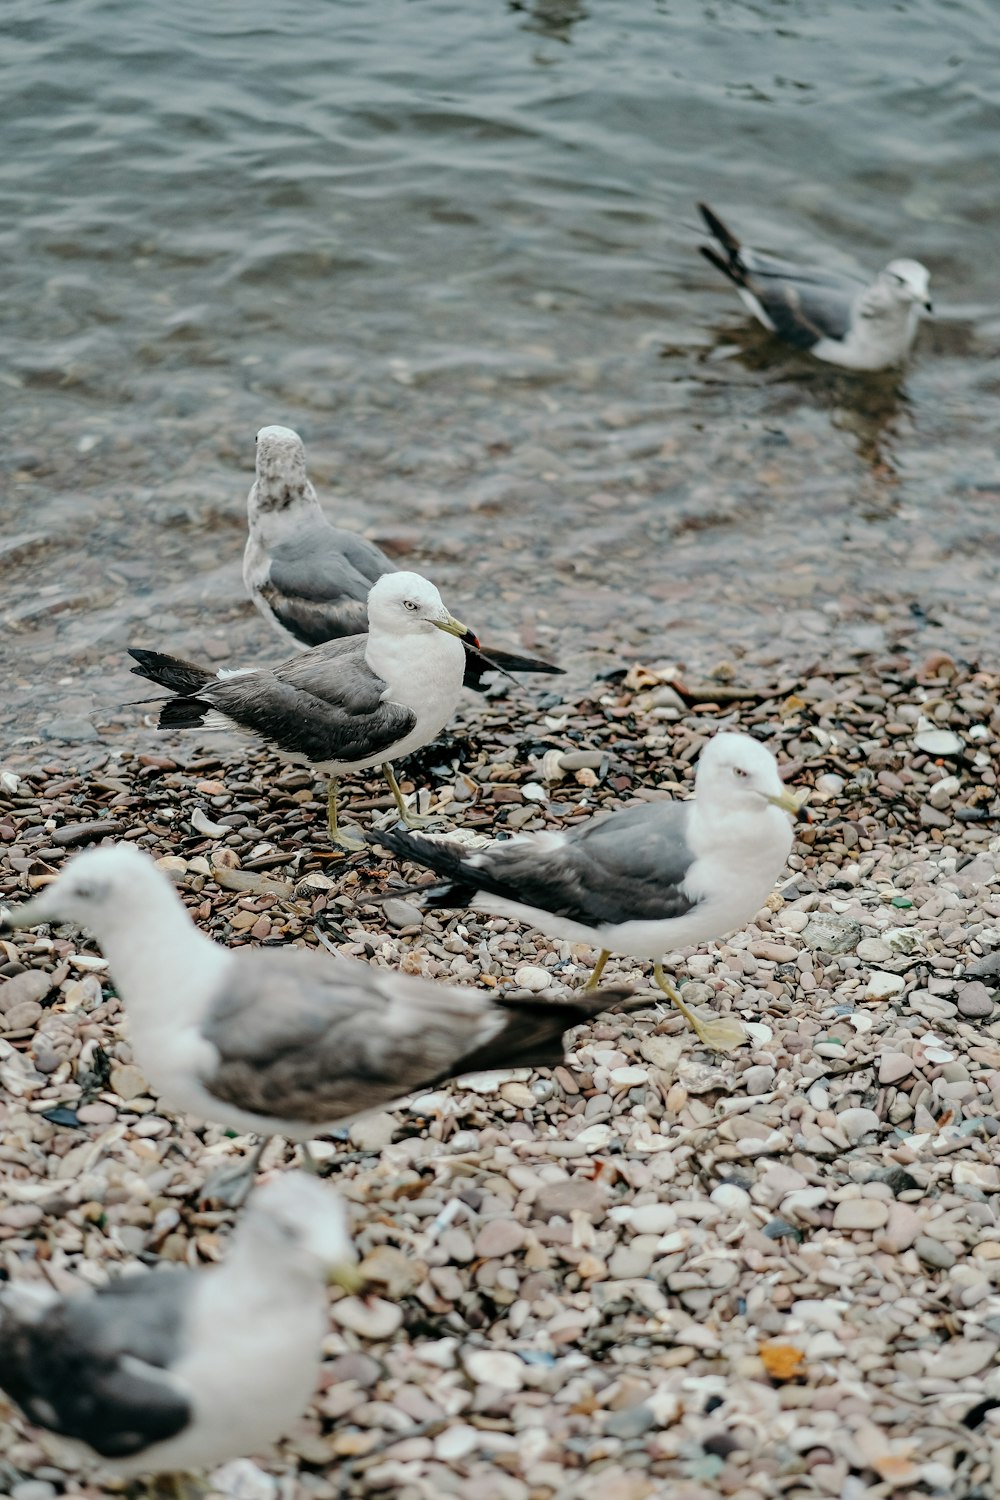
(739, 771)
(409, 604)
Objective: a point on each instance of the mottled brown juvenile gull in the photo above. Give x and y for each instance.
(841, 319)
(345, 706)
(282, 1041)
(641, 881)
(173, 1371)
(311, 579)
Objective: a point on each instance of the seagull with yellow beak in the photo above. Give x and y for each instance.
(344, 706)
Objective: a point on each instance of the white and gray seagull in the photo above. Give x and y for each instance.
(282, 1041)
(840, 319)
(311, 579)
(642, 881)
(345, 706)
(177, 1370)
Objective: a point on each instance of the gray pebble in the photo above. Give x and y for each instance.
(934, 1253)
(402, 913)
(975, 1000)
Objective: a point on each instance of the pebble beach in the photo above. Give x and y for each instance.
(654, 1271)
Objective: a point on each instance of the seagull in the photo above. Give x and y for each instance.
(309, 579)
(840, 319)
(176, 1370)
(642, 881)
(282, 1041)
(350, 704)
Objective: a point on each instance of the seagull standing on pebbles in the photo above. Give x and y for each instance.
(174, 1371)
(840, 319)
(282, 1041)
(641, 881)
(346, 706)
(311, 579)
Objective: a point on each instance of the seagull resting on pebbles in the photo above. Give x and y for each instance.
(346, 706)
(176, 1370)
(840, 319)
(642, 881)
(311, 579)
(282, 1041)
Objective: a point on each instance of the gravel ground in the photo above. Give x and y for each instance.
(655, 1272)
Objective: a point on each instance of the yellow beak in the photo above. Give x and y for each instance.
(789, 802)
(452, 626)
(347, 1277)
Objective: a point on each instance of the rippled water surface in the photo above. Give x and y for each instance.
(454, 245)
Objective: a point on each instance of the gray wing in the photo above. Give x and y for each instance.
(325, 704)
(630, 866)
(96, 1367)
(318, 583)
(803, 306)
(313, 1039)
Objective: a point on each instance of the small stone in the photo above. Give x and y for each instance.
(560, 1199)
(372, 1132)
(22, 1017)
(499, 1237)
(758, 1079)
(860, 1213)
(532, 977)
(630, 1422)
(856, 1123)
(943, 792)
(874, 951)
(882, 984)
(73, 730)
(939, 742)
(370, 1317)
(892, 1066)
(826, 932)
(127, 1081)
(902, 1227)
(959, 1358)
(629, 1262)
(494, 1367)
(33, 984)
(86, 833)
(33, 1489)
(402, 913)
(735, 1200)
(975, 1001)
(934, 1253)
(653, 1218)
(629, 1078)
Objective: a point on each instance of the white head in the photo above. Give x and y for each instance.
(102, 890)
(281, 470)
(305, 1222)
(908, 283)
(406, 604)
(737, 774)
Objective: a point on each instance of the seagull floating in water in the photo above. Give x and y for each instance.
(840, 319)
(283, 1041)
(642, 881)
(177, 1370)
(311, 579)
(346, 706)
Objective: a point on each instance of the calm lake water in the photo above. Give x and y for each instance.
(454, 245)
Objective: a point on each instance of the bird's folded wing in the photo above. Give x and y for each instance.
(804, 305)
(303, 1037)
(325, 704)
(96, 1368)
(630, 866)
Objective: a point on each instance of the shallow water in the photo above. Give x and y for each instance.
(454, 245)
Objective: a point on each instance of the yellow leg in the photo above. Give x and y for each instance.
(411, 819)
(598, 970)
(722, 1034)
(339, 839)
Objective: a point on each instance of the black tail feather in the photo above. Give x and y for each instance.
(170, 671)
(449, 860)
(482, 659)
(719, 231)
(533, 1036)
(183, 713)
